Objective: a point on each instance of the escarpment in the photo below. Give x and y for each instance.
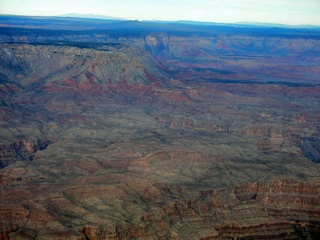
(137, 132)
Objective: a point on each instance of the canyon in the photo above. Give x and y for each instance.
(144, 130)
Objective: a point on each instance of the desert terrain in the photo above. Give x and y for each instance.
(141, 130)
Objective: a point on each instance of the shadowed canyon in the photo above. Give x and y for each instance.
(145, 130)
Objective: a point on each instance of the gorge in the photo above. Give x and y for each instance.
(146, 130)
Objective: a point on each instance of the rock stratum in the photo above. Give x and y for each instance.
(129, 130)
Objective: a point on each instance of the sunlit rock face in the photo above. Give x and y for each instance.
(149, 133)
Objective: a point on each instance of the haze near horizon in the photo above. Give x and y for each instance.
(289, 12)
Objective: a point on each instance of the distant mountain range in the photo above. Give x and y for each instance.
(77, 15)
(17, 19)
(245, 24)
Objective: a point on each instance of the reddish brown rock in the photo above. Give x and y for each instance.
(209, 135)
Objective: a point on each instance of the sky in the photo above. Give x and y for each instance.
(290, 12)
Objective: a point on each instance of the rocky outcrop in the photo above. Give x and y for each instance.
(311, 148)
(23, 150)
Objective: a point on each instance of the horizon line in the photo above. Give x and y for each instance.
(105, 17)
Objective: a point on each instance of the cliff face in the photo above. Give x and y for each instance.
(22, 150)
(238, 57)
(191, 54)
(159, 135)
(37, 63)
